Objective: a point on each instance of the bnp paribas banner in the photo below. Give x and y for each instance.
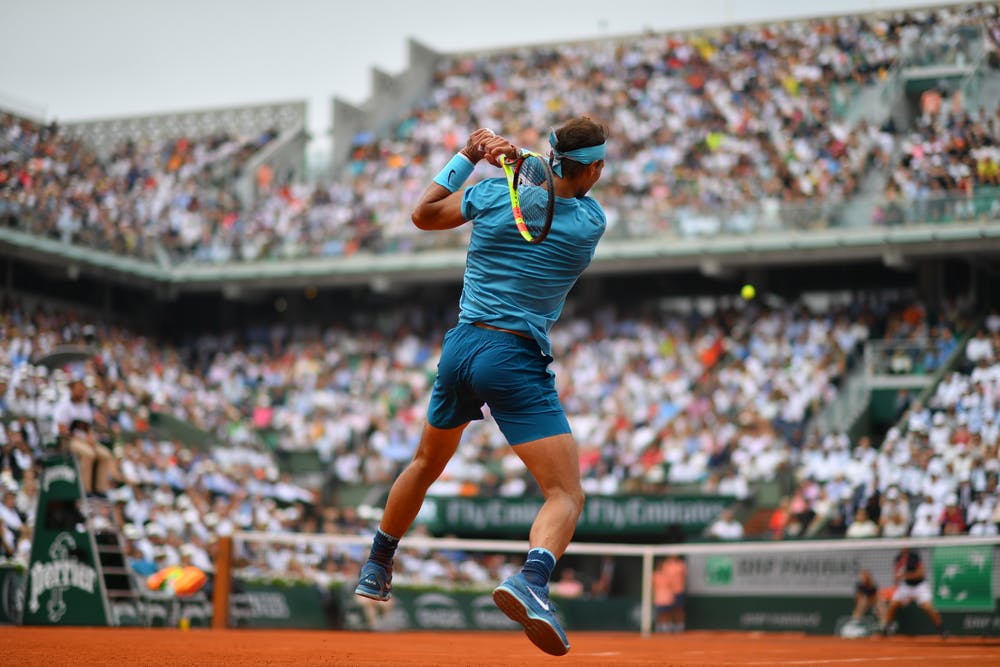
(650, 516)
(812, 591)
(788, 573)
(963, 578)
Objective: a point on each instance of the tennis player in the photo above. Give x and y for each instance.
(498, 354)
(911, 587)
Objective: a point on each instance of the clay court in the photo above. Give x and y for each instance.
(207, 648)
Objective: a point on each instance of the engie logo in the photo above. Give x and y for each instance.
(60, 573)
(488, 617)
(434, 610)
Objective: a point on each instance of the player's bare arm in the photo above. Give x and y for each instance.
(440, 207)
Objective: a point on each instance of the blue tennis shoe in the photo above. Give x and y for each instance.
(530, 606)
(375, 582)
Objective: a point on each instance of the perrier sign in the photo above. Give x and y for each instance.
(64, 586)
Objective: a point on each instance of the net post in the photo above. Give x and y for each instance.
(646, 617)
(222, 583)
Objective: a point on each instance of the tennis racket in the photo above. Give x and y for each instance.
(532, 197)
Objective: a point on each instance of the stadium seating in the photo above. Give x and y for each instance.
(722, 131)
(658, 401)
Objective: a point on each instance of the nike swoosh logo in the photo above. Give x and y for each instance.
(450, 174)
(543, 605)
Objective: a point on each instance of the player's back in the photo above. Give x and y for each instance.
(517, 285)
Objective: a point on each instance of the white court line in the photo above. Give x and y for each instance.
(839, 661)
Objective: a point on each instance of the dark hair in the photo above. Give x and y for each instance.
(579, 132)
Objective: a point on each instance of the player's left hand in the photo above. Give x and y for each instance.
(497, 146)
(475, 145)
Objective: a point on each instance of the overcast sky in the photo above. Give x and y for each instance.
(96, 58)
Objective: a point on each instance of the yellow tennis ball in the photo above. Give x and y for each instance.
(748, 292)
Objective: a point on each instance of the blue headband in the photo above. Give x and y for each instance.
(585, 155)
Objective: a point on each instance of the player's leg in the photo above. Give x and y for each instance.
(667, 617)
(553, 462)
(861, 605)
(881, 610)
(512, 377)
(436, 448)
(452, 406)
(890, 613)
(923, 600)
(407, 494)
(935, 617)
(680, 617)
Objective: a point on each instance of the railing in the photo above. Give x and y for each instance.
(284, 154)
(839, 414)
(887, 363)
(249, 120)
(902, 358)
(964, 51)
(972, 84)
(635, 218)
(705, 221)
(950, 364)
(875, 103)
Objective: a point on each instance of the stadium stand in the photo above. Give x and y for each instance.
(245, 404)
(722, 131)
(658, 401)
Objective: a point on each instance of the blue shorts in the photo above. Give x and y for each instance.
(678, 603)
(504, 371)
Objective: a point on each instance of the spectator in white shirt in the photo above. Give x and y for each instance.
(979, 515)
(11, 523)
(925, 523)
(726, 527)
(993, 321)
(862, 526)
(894, 524)
(979, 348)
(895, 503)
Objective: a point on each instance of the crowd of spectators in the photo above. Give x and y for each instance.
(146, 195)
(717, 130)
(935, 473)
(715, 401)
(948, 166)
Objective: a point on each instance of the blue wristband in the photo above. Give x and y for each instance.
(455, 173)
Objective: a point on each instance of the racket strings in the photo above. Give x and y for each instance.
(534, 206)
(533, 194)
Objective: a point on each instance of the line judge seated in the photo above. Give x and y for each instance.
(75, 418)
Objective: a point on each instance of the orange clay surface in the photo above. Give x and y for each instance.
(206, 648)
